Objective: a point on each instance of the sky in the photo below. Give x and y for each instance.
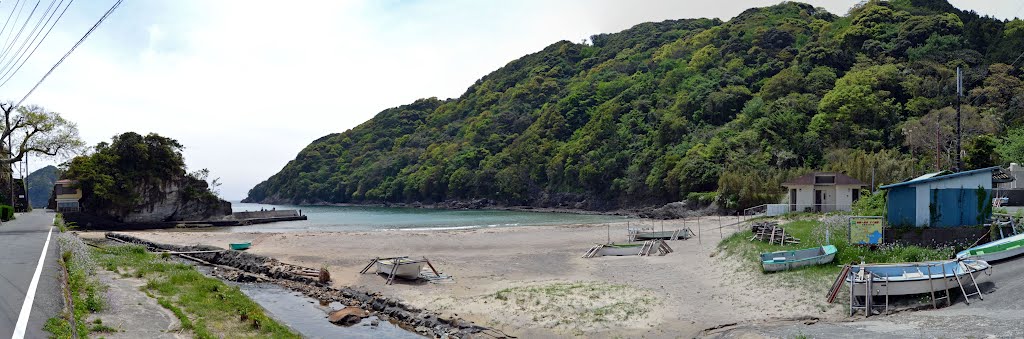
(245, 85)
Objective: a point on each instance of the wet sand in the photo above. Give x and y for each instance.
(532, 281)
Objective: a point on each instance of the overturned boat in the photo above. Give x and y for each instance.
(1001, 249)
(401, 267)
(916, 278)
(788, 260)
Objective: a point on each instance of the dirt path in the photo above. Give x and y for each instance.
(131, 312)
(531, 281)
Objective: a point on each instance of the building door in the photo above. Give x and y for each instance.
(817, 200)
(792, 200)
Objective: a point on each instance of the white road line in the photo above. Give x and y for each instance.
(30, 295)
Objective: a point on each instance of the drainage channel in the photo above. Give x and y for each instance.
(308, 317)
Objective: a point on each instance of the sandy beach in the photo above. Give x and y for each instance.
(532, 282)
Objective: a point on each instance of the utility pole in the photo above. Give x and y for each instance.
(959, 92)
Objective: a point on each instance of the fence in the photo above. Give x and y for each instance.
(772, 210)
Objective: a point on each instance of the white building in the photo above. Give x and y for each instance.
(822, 192)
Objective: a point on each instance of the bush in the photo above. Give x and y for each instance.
(6, 213)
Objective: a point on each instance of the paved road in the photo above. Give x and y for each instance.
(21, 243)
(1000, 315)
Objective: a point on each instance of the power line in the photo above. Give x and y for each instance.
(10, 34)
(87, 33)
(13, 8)
(23, 61)
(22, 29)
(34, 34)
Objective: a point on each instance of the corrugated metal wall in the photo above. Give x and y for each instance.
(901, 206)
(951, 207)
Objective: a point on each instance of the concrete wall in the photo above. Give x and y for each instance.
(265, 214)
(923, 198)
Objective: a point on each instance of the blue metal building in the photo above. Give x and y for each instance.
(942, 199)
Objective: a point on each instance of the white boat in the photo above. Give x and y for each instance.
(997, 250)
(788, 260)
(917, 278)
(407, 268)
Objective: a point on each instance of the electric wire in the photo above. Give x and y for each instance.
(33, 51)
(34, 34)
(21, 30)
(87, 33)
(13, 8)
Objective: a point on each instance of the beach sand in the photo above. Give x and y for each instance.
(532, 282)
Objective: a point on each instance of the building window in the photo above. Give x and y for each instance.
(62, 190)
(856, 194)
(825, 179)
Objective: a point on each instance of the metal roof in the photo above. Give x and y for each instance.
(940, 176)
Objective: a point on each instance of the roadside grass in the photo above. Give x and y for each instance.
(204, 305)
(810, 231)
(84, 290)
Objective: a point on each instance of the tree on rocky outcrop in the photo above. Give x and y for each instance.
(137, 178)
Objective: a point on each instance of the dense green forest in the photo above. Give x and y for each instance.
(40, 185)
(696, 109)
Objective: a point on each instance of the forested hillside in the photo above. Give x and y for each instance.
(40, 185)
(691, 109)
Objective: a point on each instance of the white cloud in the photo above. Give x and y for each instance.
(245, 85)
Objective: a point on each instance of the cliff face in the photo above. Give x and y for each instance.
(173, 201)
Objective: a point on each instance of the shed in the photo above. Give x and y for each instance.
(943, 199)
(822, 192)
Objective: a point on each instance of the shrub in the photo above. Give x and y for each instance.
(6, 213)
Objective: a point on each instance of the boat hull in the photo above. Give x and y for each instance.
(619, 250)
(240, 246)
(997, 250)
(914, 283)
(406, 270)
(664, 235)
(789, 260)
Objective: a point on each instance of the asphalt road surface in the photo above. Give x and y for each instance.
(999, 315)
(21, 245)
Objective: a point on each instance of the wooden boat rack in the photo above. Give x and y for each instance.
(772, 233)
(395, 264)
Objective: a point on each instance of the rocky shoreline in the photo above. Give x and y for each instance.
(257, 268)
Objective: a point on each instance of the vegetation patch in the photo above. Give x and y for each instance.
(811, 234)
(575, 305)
(204, 305)
(84, 290)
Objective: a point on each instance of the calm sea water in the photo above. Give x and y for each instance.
(358, 218)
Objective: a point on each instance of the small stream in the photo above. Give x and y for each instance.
(306, 316)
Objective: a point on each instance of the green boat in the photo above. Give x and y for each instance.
(788, 260)
(1001, 249)
(240, 246)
